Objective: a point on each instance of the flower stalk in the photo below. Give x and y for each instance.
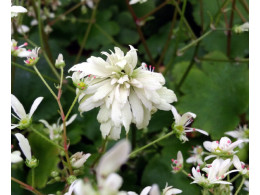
(26, 186)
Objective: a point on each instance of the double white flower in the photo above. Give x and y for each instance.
(224, 147)
(181, 124)
(125, 94)
(24, 119)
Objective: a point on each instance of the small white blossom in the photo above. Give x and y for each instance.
(131, 2)
(55, 129)
(242, 133)
(22, 29)
(16, 156)
(224, 147)
(177, 163)
(215, 173)
(24, 119)
(33, 58)
(78, 159)
(196, 156)
(80, 81)
(242, 28)
(48, 29)
(19, 51)
(124, 93)
(17, 9)
(181, 124)
(240, 166)
(169, 190)
(59, 60)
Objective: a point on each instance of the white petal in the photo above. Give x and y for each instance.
(185, 118)
(72, 118)
(45, 123)
(35, 105)
(13, 126)
(16, 157)
(137, 108)
(207, 145)
(115, 132)
(17, 107)
(235, 144)
(237, 162)
(155, 190)
(176, 115)
(113, 182)
(103, 114)
(208, 157)
(126, 116)
(146, 190)
(79, 163)
(24, 145)
(113, 159)
(18, 9)
(105, 128)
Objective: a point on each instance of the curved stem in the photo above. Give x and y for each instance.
(45, 83)
(150, 144)
(92, 18)
(72, 105)
(46, 139)
(26, 186)
(234, 178)
(240, 186)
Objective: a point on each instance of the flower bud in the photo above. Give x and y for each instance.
(71, 179)
(78, 159)
(34, 162)
(54, 173)
(59, 61)
(57, 178)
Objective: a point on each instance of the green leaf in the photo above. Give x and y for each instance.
(47, 155)
(217, 93)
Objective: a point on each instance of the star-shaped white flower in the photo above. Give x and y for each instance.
(215, 173)
(241, 133)
(224, 147)
(56, 129)
(24, 119)
(196, 155)
(124, 93)
(33, 58)
(181, 124)
(15, 10)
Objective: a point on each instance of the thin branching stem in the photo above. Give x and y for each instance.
(26, 186)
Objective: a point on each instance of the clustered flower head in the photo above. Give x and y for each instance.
(25, 120)
(180, 126)
(124, 93)
(222, 148)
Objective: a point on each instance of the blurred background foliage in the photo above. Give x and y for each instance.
(210, 79)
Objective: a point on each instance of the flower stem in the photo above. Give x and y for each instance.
(33, 72)
(72, 105)
(92, 18)
(150, 144)
(240, 186)
(234, 178)
(185, 173)
(26, 186)
(230, 26)
(45, 138)
(43, 80)
(33, 177)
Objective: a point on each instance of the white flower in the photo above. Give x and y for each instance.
(124, 94)
(78, 159)
(19, 51)
(178, 163)
(22, 29)
(246, 183)
(17, 9)
(240, 166)
(16, 156)
(24, 145)
(181, 124)
(216, 172)
(33, 58)
(196, 156)
(242, 28)
(242, 133)
(48, 29)
(59, 61)
(169, 190)
(89, 3)
(24, 119)
(224, 147)
(56, 129)
(136, 1)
